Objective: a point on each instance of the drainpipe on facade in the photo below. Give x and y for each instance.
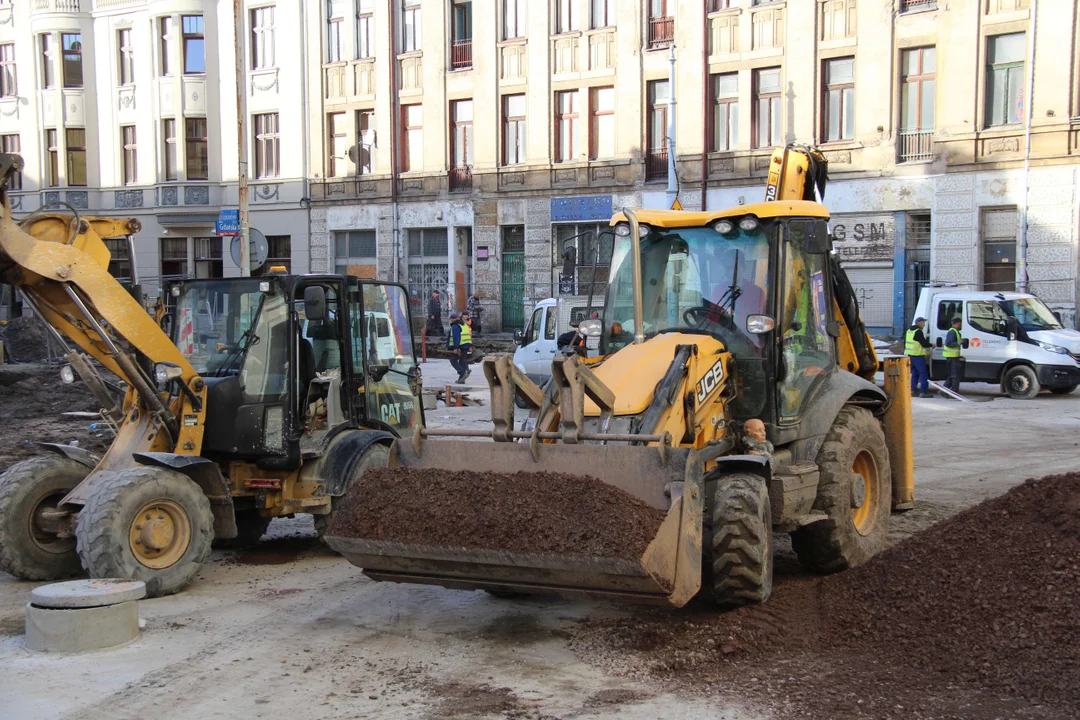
(672, 181)
(393, 139)
(1021, 247)
(241, 145)
(705, 124)
(305, 131)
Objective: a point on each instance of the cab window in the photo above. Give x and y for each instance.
(946, 311)
(807, 346)
(986, 317)
(549, 323)
(532, 333)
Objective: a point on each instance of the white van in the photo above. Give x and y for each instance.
(1009, 338)
(548, 321)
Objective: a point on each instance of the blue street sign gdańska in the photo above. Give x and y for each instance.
(228, 223)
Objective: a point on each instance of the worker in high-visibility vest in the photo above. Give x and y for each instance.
(917, 348)
(951, 353)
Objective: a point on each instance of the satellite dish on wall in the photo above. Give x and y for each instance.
(257, 249)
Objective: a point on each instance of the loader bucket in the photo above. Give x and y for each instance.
(667, 573)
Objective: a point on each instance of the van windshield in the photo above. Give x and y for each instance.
(1031, 313)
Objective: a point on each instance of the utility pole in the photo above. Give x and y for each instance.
(672, 181)
(241, 137)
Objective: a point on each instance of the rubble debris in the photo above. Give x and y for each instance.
(536, 512)
(973, 617)
(25, 339)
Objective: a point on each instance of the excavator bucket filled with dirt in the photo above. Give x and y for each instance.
(558, 512)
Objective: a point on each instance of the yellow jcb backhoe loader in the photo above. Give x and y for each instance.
(734, 391)
(272, 394)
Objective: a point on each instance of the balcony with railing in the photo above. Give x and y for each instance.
(55, 6)
(915, 145)
(461, 179)
(661, 31)
(461, 54)
(656, 165)
(912, 5)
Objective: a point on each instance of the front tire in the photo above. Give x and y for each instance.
(854, 491)
(146, 523)
(27, 550)
(1067, 390)
(1021, 383)
(741, 542)
(376, 456)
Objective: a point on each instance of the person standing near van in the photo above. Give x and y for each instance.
(459, 343)
(952, 353)
(917, 348)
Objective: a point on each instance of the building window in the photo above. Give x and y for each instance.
(565, 17)
(428, 267)
(208, 261)
(53, 148)
(334, 24)
(838, 112)
(165, 27)
(461, 113)
(603, 13)
(173, 253)
(999, 249)
(410, 25)
(725, 135)
(566, 125)
(278, 253)
(365, 29)
(602, 123)
(461, 46)
(126, 57)
(339, 140)
(10, 144)
(365, 140)
(262, 38)
(513, 129)
(767, 107)
(661, 23)
(513, 19)
(267, 157)
(412, 149)
(355, 247)
(48, 74)
(194, 45)
(72, 44)
(168, 133)
(1005, 79)
(8, 86)
(717, 5)
(656, 154)
(76, 156)
(130, 163)
(119, 262)
(918, 88)
(198, 154)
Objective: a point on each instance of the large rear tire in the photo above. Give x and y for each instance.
(29, 488)
(146, 523)
(375, 456)
(854, 491)
(740, 520)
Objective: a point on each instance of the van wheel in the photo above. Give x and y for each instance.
(1021, 383)
(1063, 390)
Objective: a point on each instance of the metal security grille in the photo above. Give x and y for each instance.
(916, 261)
(513, 278)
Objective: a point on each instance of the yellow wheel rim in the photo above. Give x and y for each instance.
(160, 534)
(864, 492)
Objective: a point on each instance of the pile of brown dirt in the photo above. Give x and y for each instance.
(974, 617)
(24, 339)
(524, 511)
(30, 411)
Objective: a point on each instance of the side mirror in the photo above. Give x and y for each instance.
(519, 337)
(378, 372)
(817, 237)
(315, 303)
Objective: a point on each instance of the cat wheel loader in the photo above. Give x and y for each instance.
(734, 391)
(266, 398)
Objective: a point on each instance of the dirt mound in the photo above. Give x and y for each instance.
(975, 616)
(30, 411)
(24, 339)
(526, 512)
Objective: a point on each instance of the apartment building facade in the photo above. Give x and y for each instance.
(128, 108)
(482, 145)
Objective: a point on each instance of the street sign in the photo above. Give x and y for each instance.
(676, 205)
(228, 223)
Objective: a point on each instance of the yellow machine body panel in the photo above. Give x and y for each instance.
(685, 219)
(633, 372)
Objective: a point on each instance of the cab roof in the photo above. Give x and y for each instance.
(682, 218)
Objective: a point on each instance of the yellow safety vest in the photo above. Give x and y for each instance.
(912, 347)
(466, 334)
(950, 352)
